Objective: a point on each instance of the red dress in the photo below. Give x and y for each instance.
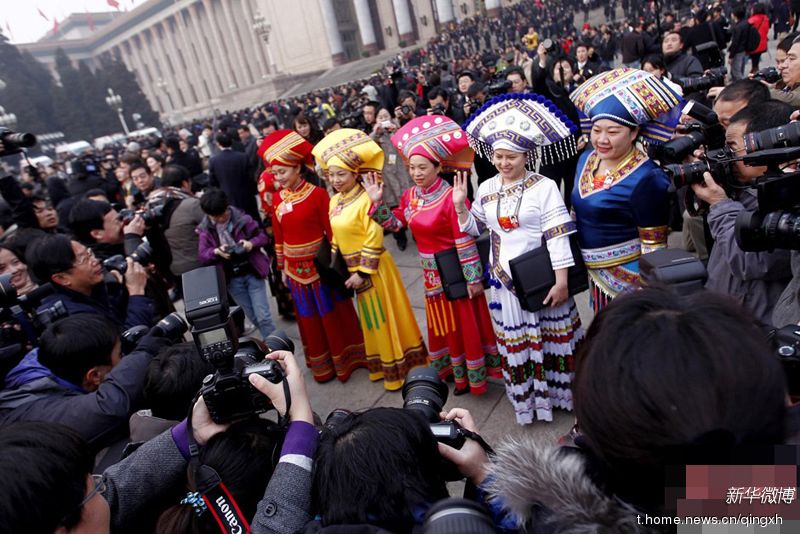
(326, 318)
(461, 340)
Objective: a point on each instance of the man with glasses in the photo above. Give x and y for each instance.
(79, 282)
(755, 279)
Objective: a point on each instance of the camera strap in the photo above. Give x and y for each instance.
(476, 437)
(283, 420)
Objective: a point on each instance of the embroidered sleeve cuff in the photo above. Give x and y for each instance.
(180, 435)
(560, 229)
(470, 260)
(653, 238)
(370, 258)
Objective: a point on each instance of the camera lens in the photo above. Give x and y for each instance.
(278, 340)
(425, 392)
(457, 515)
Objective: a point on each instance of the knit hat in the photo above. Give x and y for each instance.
(522, 122)
(631, 97)
(437, 138)
(349, 149)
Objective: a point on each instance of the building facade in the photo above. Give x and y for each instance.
(191, 56)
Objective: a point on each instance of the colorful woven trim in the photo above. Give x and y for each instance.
(601, 258)
(561, 229)
(626, 167)
(653, 235)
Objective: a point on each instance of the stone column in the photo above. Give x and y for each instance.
(236, 42)
(212, 24)
(257, 52)
(365, 27)
(493, 8)
(195, 31)
(185, 74)
(171, 76)
(135, 65)
(444, 8)
(158, 75)
(332, 30)
(138, 55)
(405, 29)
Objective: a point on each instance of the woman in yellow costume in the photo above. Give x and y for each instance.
(392, 338)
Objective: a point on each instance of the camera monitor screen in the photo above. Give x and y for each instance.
(212, 336)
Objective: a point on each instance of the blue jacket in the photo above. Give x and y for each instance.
(33, 393)
(110, 300)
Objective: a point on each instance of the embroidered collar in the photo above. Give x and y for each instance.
(624, 168)
(432, 193)
(299, 191)
(345, 199)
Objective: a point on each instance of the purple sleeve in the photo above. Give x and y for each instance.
(301, 439)
(180, 435)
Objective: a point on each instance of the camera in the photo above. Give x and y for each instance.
(769, 75)
(784, 136)
(172, 327)
(712, 78)
(82, 167)
(406, 110)
(498, 87)
(143, 255)
(228, 393)
(438, 109)
(239, 262)
(549, 45)
(424, 392)
(706, 131)
(21, 310)
(786, 342)
(718, 162)
(776, 223)
(14, 142)
(457, 515)
(151, 216)
(353, 119)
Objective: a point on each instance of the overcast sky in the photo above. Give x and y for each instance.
(26, 24)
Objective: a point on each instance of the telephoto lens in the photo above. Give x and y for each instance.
(457, 515)
(784, 136)
(425, 392)
(278, 340)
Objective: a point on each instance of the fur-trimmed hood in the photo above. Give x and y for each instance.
(548, 490)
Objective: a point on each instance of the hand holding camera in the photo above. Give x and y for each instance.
(471, 459)
(135, 277)
(135, 226)
(300, 409)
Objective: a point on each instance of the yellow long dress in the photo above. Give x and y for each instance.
(391, 335)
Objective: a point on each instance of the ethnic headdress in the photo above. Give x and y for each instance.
(349, 149)
(522, 122)
(285, 147)
(437, 138)
(631, 97)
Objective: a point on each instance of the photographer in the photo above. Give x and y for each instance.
(369, 114)
(77, 278)
(232, 237)
(35, 211)
(144, 181)
(736, 96)
(407, 107)
(755, 279)
(72, 500)
(182, 214)
(708, 391)
(679, 63)
(439, 102)
(97, 225)
(515, 75)
(76, 377)
(790, 75)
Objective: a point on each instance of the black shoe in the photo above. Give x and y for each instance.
(458, 392)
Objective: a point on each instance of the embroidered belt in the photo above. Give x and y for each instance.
(601, 258)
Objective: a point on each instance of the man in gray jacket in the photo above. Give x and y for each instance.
(755, 279)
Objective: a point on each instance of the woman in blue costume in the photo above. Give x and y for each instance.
(620, 196)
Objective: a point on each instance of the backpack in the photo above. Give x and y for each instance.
(752, 39)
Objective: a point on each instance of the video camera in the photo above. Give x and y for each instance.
(776, 224)
(768, 74)
(228, 393)
(711, 78)
(151, 216)
(14, 142)
(82, 167)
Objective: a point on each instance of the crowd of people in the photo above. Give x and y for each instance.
(528, 158)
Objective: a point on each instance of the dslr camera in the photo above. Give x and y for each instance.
(151, 216)
(776, 224)
(143, 255)
(711, 78)
(228, 393)
(425, 393)
(14, 143)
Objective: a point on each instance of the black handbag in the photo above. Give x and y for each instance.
(452, 276)
(533, 275)
(332, 268)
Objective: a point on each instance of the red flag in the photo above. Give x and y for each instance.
(90, 20)
(43, 15)
(55, 25)
(113, 3)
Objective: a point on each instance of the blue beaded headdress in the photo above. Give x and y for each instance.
(522, 122)
(631, 97)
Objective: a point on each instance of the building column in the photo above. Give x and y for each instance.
(257, 43)
(444, 8)
(365, 27)
(193, 26)
(493, 8)
(405, 30)
(182, 73)
(159, 75)
(213, 28)
(332, 29)
(170, 76)
(148, 86)
(236, 41)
